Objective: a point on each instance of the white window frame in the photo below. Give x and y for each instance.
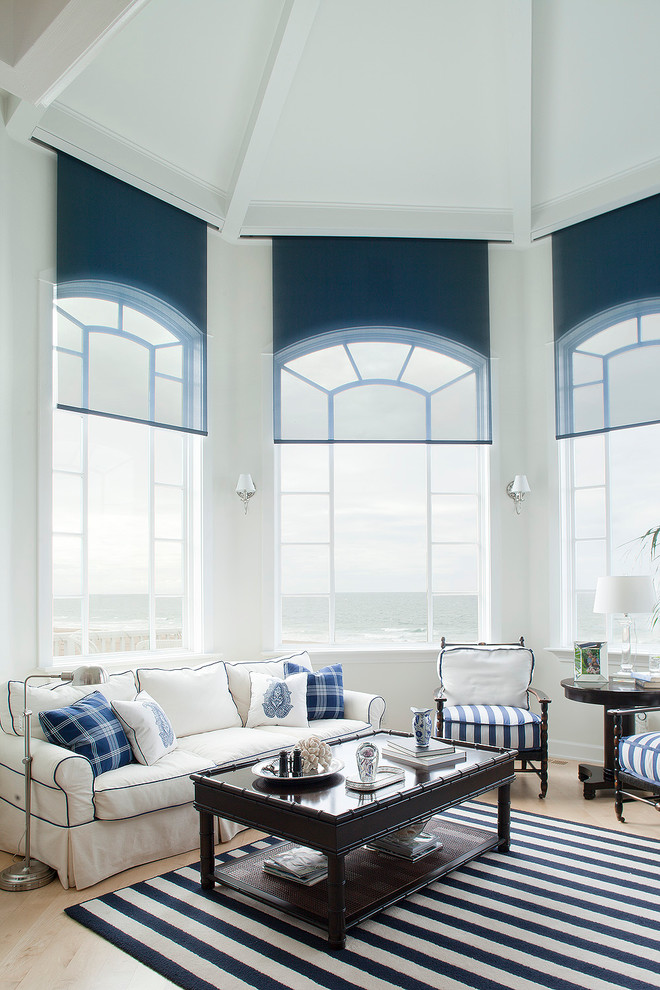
(571, 342)
(483, 482)
(195, 569)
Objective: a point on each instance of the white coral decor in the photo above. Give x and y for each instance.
(316, 755)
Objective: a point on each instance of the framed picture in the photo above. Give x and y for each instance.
(590, 661)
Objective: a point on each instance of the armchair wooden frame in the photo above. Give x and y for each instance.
(650, 793)
(534, 760)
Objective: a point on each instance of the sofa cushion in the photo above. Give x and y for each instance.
(147, 728)
(43, 697)
(493, 725)
(640, 755)
(328, 728)
(195, 699)
(239, 677)
(229, 746)
(325, 690)
(91, 729)
(137, 789)
(277, 700)
(488, 675)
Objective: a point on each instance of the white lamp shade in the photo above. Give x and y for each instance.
(245, 483)
(624, 594)
(520, 485)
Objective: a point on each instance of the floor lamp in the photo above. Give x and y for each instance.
(32, 873)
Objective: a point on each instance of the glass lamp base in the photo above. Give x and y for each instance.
(26, 876)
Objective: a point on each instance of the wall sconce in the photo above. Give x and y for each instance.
(517, 489)
(245, 489)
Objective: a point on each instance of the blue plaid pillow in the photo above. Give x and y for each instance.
(325, 690)
(89, 728)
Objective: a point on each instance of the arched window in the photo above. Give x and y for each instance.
(608, 371)
(383, 524)
(121, 352)
(125, 473)
(381, 385)
(607, 376)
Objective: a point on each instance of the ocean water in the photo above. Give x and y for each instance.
(379, 617)
(120, 622)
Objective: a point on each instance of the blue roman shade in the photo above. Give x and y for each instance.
(380, 339)
(130, 339)
(606, 290)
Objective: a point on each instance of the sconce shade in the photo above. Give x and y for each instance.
(520, 485)
(245, 484)
(624, 594)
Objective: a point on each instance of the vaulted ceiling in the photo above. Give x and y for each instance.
(494, 119)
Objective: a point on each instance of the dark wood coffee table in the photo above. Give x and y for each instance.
(328, 817)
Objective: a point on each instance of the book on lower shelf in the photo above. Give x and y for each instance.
(438, 762)
(299, 864)
(411, 848)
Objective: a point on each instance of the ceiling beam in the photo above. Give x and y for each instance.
(520, 42)
(286, 51)
(62, 48)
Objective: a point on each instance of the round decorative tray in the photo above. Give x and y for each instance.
(268, 771)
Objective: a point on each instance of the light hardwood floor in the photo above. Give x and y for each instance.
(42, 949)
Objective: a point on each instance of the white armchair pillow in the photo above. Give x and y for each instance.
(147, 727)
(486, 675)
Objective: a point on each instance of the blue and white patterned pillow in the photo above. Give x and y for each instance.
(147, 727)
(325, 690)
(277, 701)
(91, 729)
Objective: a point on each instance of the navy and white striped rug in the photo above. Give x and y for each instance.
(571, 907)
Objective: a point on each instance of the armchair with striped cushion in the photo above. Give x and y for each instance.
(636, 761)
(484, 698)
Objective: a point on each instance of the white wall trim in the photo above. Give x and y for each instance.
(270, 218)
(75, 134)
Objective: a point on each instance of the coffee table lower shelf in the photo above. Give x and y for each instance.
(374, 880)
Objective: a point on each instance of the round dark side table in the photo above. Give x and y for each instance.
(609, 694)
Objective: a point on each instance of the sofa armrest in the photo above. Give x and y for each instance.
(62, 782)
(363, 707)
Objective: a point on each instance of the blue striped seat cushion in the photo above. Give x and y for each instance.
(640, 755)
(493, 725)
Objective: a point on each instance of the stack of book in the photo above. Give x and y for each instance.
(436, 755)
(407, 846)
(301, 865)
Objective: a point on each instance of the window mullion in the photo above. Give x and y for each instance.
(429, 547)
(331, 548)
(152, 542)
(608, 524)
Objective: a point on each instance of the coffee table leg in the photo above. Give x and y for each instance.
(504, 817)
(206, 850)
(336, 902)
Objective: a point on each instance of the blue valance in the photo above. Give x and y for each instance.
(381, 339)
(606, 291)
(131, 302)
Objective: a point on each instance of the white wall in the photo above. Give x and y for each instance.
(525, 568)
(27, 179)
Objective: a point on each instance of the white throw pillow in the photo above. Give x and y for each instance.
(147, 727)
(44, 696)
(474, 675)
(277, 700)
(239, 677)
(195, 699)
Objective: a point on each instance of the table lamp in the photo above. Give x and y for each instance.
(617, 594)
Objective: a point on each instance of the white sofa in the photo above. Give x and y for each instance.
(88, 827)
